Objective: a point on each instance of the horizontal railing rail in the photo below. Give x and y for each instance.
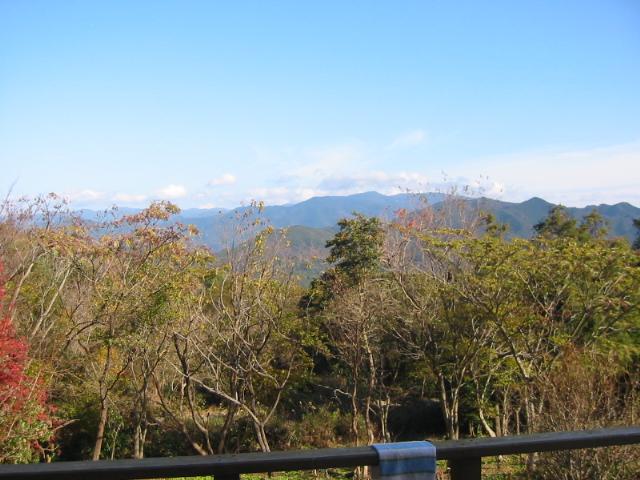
(464, 458)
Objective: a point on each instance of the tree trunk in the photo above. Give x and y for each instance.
(370, 389)
(530, 415)
(228, 421)
(455, 420)
(367, 420)
(485, 424)
(138, 441)
(354, 413)
(449, 408)
(261, 434)
(104, 412)
(505, 414)
(384, 407)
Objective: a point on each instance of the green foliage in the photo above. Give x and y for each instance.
(594, 226)
(559, 224)
(492, 227)
(355, 251)
(356, 248)
(160, 348)
(322, 427)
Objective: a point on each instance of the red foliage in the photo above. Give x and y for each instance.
(22, 396)
(13, 357)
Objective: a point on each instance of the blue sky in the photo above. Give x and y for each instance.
(215, 103)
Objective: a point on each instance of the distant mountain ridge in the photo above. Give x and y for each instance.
(521, 217)
(315, 219)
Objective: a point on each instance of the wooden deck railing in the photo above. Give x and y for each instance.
(464, 458)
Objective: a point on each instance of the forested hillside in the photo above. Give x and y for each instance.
(325, 212)
(126, 337)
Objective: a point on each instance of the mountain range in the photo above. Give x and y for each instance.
(312, 222)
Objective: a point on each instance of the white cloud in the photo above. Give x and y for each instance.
(572, 177)
(129, 197)
(383, 182)
(225, 179)
(83, 196)
(409, 139)
(173, 191)
(481, 186)
(207, 206)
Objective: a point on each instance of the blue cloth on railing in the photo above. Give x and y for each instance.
(405, 461)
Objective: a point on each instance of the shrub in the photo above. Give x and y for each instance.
(586, 392)
(25, 421)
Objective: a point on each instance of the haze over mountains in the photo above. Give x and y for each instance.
(313, 221)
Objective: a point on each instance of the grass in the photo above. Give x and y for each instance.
(330, 474)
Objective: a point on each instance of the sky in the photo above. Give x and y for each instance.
(213, 104)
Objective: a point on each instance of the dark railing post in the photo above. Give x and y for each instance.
(227, 476)
(469, 468)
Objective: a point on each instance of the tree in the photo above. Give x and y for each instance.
(358, 326)
(349, 301)
(36, 244)
(584, 391)
(174, 275)
(124, 277)
(594, 226)
(25, 416)
(356, 248)
(244, 343)
(355, 251)
(557, 224)
(636, 243)
(148, 334)
(492, 227)
(438, 326)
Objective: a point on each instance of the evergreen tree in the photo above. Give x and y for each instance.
(492, 227)
(355, 250)
(357, 247)
(557, 224)
(560, 224)
(594, 226)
